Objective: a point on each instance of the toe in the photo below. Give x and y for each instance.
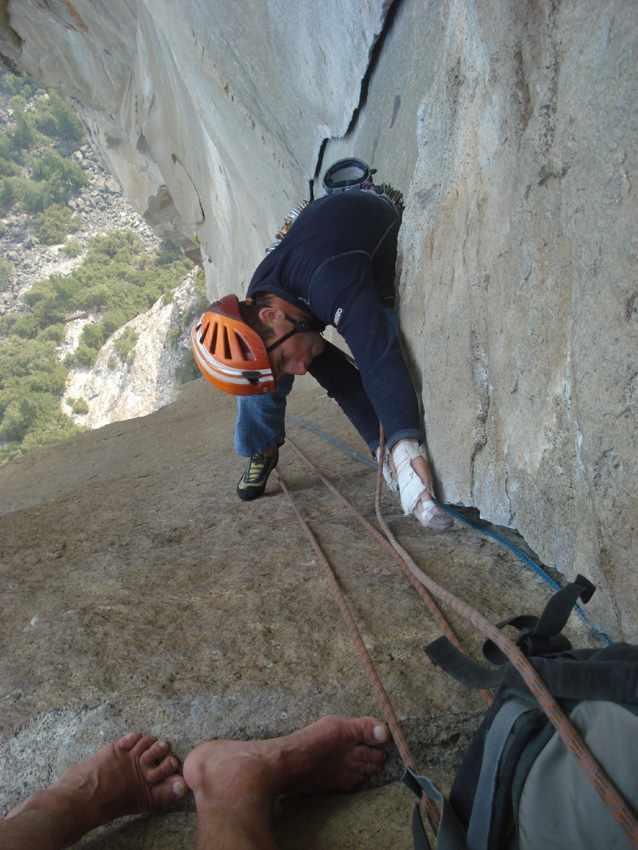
(154, 754)
(371, 731)
(167, 792)
(167, 767)
(142, 745)
(367, 769)
(128, 741)
(367, 756)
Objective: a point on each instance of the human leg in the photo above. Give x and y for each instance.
(259, 431)
(135, 774)
(235, 783)
(261, 419)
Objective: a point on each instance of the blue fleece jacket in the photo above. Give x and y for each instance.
(337, 263)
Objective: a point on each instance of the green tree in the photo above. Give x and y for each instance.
(80, 407)
(23, 135)
(62, 177)
(7, 272)
(72, 248)
(125, 345)
(54, 223)
(169, 252)
(7, 192)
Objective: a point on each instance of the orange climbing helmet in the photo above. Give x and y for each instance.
(229, 353)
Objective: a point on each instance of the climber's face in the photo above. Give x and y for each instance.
(297, 349)
(294, 355)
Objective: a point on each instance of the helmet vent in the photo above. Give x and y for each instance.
(204, 331)
(213, 339)
(246, 353)
(226, 343)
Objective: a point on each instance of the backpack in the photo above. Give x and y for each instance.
(518, 787)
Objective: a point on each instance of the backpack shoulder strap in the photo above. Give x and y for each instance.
(478, 834)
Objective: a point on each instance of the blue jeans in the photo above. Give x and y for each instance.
(261, 419)
(260, 422)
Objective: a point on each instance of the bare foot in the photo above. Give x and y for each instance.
(132, 775)
(333, 754)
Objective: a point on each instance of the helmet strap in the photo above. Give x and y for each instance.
(299, 326)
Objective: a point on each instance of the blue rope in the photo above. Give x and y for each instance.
(499, 538)
(536, 568)
(343, 447)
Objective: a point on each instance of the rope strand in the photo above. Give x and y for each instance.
(383, 699)
(422, 591)
(570, 736)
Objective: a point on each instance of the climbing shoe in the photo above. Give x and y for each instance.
(253, 482)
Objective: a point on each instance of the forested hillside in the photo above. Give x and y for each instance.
(108, 279)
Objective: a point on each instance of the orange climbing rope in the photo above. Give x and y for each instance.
(383, 699)
(572, 739)
(568, 733)
(422, 591)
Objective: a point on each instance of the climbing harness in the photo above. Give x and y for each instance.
(569, 735)
(342, 176)
(347, 174)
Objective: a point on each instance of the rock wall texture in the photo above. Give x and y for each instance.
(115, 389)
(518, 252)
(519, 288)
(212, 119)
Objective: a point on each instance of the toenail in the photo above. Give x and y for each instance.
(162, 744)
(179, 787)
(380, 734)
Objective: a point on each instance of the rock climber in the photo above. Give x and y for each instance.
(334, 267)
(234, 783)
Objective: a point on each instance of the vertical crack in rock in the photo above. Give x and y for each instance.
(506, 485)
(480, 375)
(549, 107)
(373, 60)
(177, 161)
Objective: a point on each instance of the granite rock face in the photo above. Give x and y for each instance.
(212, 119)
(117, 388)
(519, 247)
(519, 286)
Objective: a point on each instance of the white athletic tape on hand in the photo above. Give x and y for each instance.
(410, 485)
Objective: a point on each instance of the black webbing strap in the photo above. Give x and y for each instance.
(542, 635)
(451, 835)
(553, 619)
(465, 670)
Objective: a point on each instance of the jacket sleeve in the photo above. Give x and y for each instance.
(343, 292)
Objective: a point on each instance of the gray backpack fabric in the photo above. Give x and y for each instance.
(518, 787)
